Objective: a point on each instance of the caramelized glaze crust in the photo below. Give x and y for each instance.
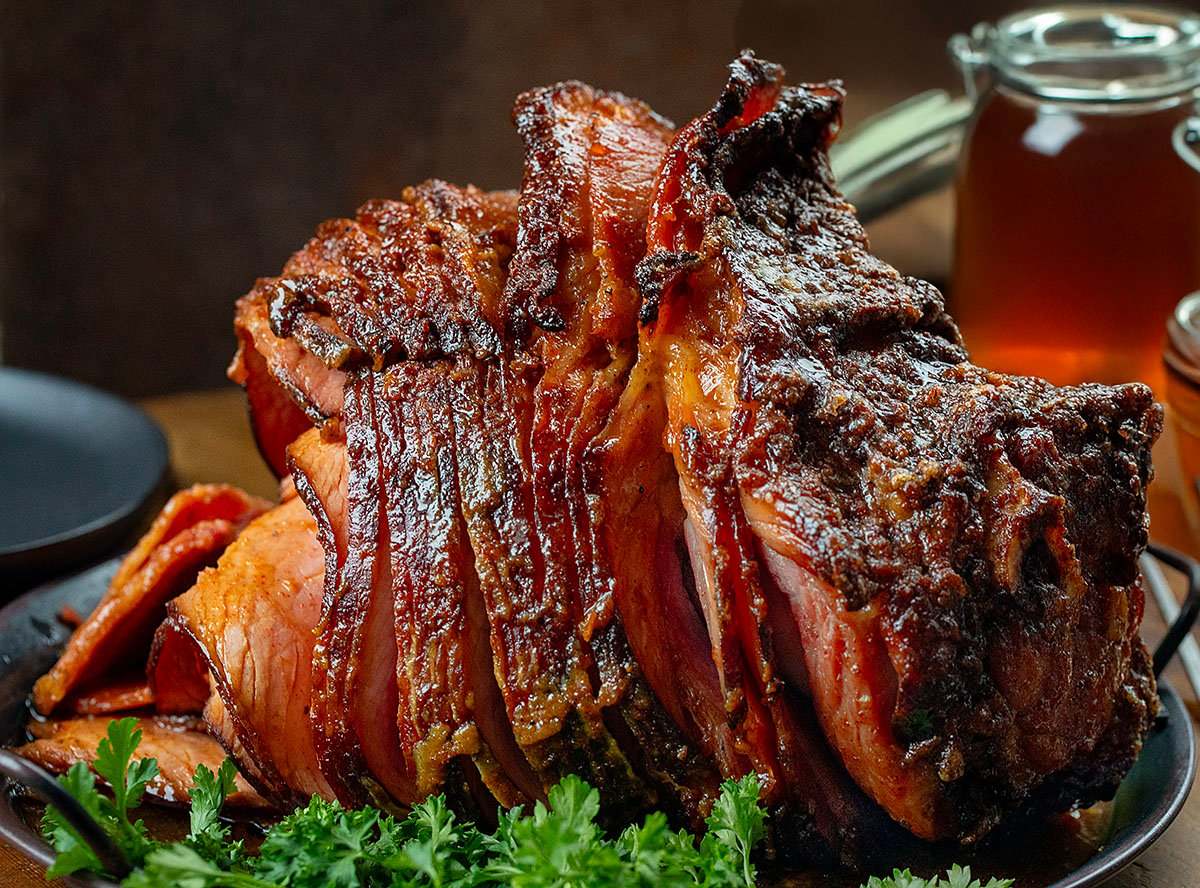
(982, 529)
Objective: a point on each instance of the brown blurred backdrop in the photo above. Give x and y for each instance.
(155, 158)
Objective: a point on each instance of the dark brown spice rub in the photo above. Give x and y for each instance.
(986, 527)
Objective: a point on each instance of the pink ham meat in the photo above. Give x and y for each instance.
(287, 389)
(355, 697)
(119, 696)
(652, 590)
(111, 645)
(448, 713)
(178, 744)
(247, 625)
(444, 662)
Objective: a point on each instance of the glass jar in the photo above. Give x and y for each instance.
(1175, 505)
(1078, 205)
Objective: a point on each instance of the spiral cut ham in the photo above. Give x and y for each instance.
(652, 474)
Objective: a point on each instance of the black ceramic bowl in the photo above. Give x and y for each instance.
(78, 468)
(31, 635)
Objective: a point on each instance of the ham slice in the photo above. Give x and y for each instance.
(119, 696)
(652, 589)
(249, 623)
(355, 697)
(190, 533)
(444, 663)
(276, 415)
(179, 745)
(451, 706)
(543, 571)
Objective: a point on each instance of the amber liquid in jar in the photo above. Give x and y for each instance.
(1078, 229)
(1175, 505)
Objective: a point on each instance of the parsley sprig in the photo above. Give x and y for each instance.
(556, 845)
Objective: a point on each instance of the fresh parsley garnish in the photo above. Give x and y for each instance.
(126, 779)
(956, 877)
(556, 845)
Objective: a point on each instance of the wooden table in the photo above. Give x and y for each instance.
(210, 441)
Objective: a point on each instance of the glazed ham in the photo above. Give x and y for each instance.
(653, 474)
(958, 548)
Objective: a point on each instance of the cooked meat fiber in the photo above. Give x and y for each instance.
(446, 701)
(247, 626)
(654, 475)
(275, 386)
(450, 705)
(958, 547)
(590, 162)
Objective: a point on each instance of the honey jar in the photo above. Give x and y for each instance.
(1078, 195)
(1175, 497)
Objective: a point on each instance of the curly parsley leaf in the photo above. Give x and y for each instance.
(183, 866)
(556, 845)
(434, 850)
(207, 835)
(736, 825)
(208, 795)
(657, 856)
(114, 763)
(559, 844)
(74, 855)
(956, 877)
(127, 779)
(324, 844)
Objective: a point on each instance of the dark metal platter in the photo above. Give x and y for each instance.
(77, 468)
(31, 636)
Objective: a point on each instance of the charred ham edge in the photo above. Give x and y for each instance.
(919, 514)
(276, 419)
(354, 690)
(590, 161)
(289, 368)
(364, 292)
(591, 158)
(179, 744)
(438, 262)
(111, 645)
(248, 626)
(348, 301)
(698, 384)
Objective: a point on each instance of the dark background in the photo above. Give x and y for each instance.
(156, 158)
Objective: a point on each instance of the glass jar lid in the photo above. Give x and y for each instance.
(1182, 351)
(1092, 52)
